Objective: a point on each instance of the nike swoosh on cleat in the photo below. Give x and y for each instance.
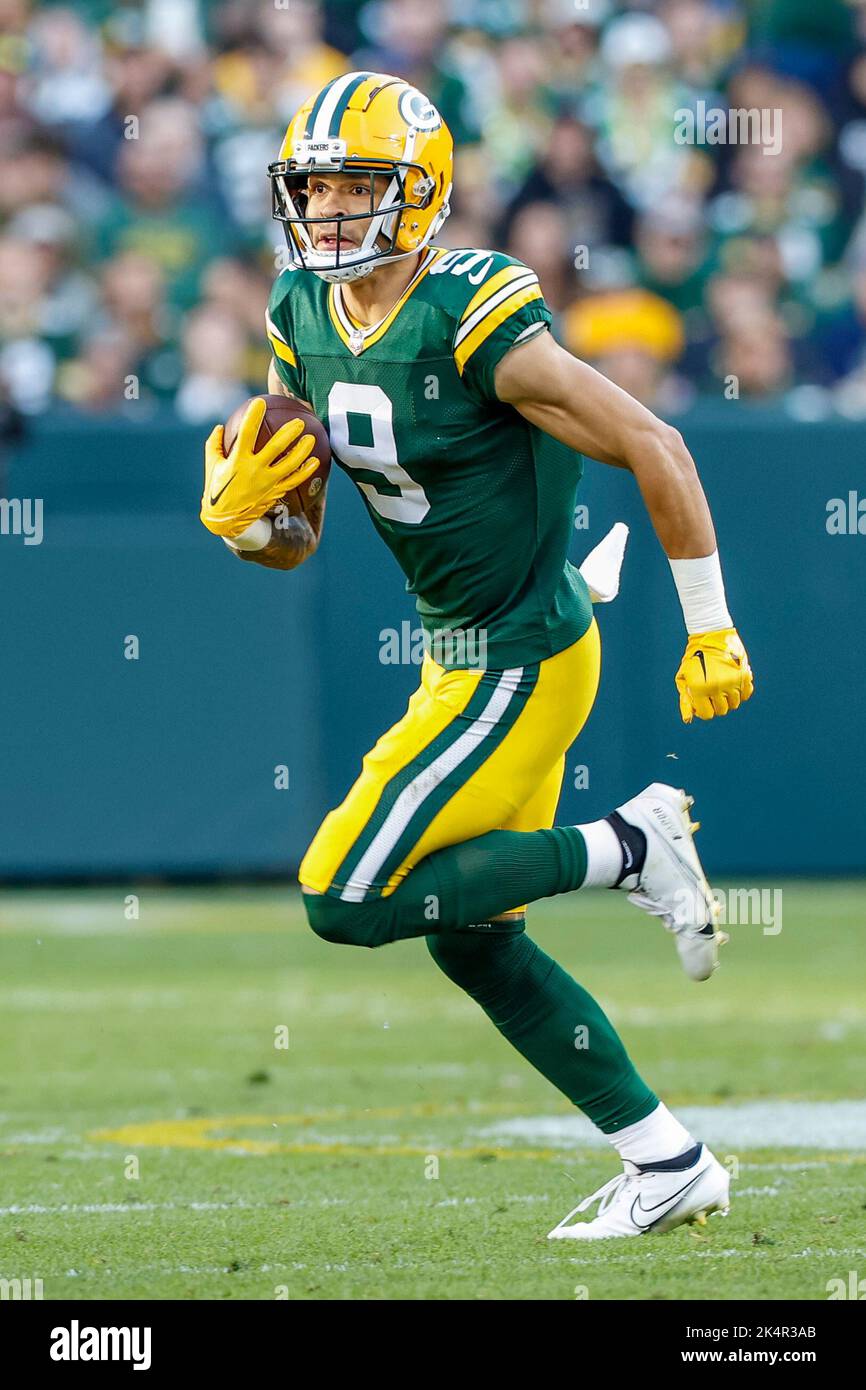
(214, 500)
(667, 1204)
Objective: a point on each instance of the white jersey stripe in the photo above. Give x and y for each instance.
(272, 330)
(530, 332)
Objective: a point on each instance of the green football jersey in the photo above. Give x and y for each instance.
(476, 504)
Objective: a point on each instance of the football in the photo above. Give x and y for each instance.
(280, 410)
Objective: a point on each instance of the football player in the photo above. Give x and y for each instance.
(462, 423)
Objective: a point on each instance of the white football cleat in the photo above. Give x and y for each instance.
(653, 1198)
(672, 884)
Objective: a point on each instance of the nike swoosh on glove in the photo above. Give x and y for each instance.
(714, 675)
(245, 485)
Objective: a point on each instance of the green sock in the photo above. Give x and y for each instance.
(483, 877)
(533, 1002)
(550, 1019)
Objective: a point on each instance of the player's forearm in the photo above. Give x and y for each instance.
(294, 534)
(671, 490)
(665, 472)
(668, 480)
(289, 546)
(657, 456)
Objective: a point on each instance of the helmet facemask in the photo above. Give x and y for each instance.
(289, 191)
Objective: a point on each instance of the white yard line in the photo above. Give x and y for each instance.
(126, 1208)
(112, 1208)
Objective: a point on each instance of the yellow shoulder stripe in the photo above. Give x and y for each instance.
(490, 287)
(282, 350)
(491, 321)
(278, 342)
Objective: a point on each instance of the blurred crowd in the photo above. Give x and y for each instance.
(137, 247)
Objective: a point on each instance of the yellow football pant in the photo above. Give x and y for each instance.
(475, 751)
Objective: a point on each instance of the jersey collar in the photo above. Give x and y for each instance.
(358, 337)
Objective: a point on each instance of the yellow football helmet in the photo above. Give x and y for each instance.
(365, 122)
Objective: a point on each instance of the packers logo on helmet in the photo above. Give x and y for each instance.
(381, 127)
(416, 110)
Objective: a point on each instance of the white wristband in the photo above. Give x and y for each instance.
(255, 537)
(701, 591)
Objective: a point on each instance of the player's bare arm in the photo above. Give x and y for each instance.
(576, 404)
(277, 387)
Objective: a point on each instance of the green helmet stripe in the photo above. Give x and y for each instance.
(343, 104)
(316, 107)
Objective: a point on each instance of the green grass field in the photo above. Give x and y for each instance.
(156, 1143)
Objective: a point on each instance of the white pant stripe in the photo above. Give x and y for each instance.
(413, 796)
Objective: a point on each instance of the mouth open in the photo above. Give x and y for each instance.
(335, 243)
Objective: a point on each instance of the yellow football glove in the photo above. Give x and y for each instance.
(714, 675)
(242, 487)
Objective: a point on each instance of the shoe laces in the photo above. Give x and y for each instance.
(606, 1195)
(653, 908)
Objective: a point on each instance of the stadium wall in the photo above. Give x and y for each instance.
(167, 763)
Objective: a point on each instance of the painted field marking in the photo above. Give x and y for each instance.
(833, 1127)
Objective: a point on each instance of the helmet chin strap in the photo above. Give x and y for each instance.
(348, 273)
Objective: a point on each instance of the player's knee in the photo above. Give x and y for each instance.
(462, 956)
(346, 924)
(472, 959)
(330, 919)
(446, 950)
